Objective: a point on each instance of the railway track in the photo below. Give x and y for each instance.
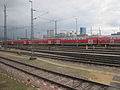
(63, 81)
(98, 59)
(113, 52)
(79, 58)
(98, 51)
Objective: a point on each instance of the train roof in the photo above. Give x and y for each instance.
(99, 37)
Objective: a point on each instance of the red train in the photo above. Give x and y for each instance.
(112, 40)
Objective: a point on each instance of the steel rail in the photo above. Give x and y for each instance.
(96, 60)
(56, 73)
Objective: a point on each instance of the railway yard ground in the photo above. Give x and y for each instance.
(101, 74)
(6, 83)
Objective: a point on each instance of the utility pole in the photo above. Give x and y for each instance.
(76, 26)
(39, 35)
(91, 31)
(26, 33)
(32, 24)
(99, 31)
(32, 31)
(13, 36)
(5, 26)
(55, 28)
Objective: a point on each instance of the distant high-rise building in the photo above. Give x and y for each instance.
(50, 33)
(82, 30)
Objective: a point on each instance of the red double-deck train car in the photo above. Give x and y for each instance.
(113, 40)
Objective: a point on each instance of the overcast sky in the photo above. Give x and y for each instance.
(95, 13)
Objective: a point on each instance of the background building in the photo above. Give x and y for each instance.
(118, 33)
(82, 30)
(50, 33)
(71, 34)
(61, 35)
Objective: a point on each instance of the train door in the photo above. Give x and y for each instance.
(57, 42)
(49, 42)
(12, 42)
(30, 42)
(112, 41)
(24, 42)
(90, 41)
